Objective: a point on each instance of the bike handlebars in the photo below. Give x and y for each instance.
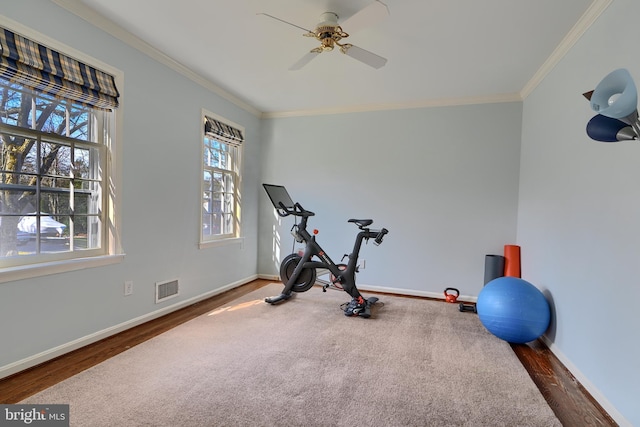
(297, 210)
(380, 236)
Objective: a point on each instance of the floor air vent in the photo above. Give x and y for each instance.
(166, 290)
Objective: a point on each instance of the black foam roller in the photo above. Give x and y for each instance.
(493, 267)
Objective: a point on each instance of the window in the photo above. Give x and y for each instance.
(56, 134)
(222, 149)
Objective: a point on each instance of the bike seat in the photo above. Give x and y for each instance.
(361, 222)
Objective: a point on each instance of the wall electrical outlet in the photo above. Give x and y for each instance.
(128, 287)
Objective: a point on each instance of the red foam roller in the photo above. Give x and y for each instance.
(512, 261)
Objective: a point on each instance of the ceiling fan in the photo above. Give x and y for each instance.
(330, 34)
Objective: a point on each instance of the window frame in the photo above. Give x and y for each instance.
(111, 252)
(236, 236)
(40, 139)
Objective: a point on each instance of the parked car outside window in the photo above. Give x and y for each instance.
(49, 228)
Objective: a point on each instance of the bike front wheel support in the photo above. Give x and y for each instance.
(306, 279)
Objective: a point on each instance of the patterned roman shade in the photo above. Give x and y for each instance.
(31, 64)
(222, 131)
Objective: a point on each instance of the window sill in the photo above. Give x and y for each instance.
(36, 270)
(222, 242)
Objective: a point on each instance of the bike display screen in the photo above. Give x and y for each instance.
(279, 196)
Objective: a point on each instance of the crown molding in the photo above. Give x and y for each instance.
(586, 20)
(443, 102)
(83, 11)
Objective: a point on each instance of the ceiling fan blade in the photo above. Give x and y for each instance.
(304, 60)
(286, 22)
(366, 17)
(362, 55)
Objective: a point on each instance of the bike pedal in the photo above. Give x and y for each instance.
(366, 313)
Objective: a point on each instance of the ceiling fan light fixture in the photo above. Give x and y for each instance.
(329, 33)
(327, 44)
(328, 19)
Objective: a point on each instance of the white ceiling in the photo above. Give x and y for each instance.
(439, 51)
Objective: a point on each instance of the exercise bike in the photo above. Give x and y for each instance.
(298, 272)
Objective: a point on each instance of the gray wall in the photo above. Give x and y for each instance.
(579, 214)
(160, 204)
(444, 181)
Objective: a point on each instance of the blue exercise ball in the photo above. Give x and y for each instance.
(513, 310)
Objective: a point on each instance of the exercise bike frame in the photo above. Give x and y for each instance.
(347, 276)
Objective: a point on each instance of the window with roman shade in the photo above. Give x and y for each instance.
(222, 150)
(57, 120)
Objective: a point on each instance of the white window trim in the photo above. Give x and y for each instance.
(114, 253)
(30, 271)
(238, 239)
(222, 242)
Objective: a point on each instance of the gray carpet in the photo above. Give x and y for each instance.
(303, 363)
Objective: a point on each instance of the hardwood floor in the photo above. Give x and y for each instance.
(571, 403)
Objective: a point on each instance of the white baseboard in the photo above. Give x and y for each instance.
(52, 353)
(588, 385)
(414, 293)
(393, 291)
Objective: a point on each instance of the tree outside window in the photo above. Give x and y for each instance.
(50, 174)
